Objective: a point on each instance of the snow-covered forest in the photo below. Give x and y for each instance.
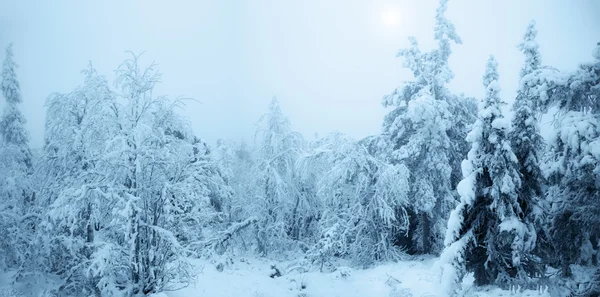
(451, 198)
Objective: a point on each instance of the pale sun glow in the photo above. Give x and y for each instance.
(390, 17)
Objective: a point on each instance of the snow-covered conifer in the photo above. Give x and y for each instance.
(16, 193)
(486, 234)
(425, 132)
(573, 164)
(528, 144)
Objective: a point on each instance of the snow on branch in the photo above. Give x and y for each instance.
(219, 243)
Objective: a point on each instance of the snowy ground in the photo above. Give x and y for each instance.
(251, 278)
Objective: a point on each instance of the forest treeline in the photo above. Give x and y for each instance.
(123, 193)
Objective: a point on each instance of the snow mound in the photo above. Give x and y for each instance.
(501, 124)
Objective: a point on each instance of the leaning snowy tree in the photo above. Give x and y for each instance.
(236, 161)
(486, 233)
(278, 148)
(425, 131)
(16, 195)
(309, 170)
(364, 203)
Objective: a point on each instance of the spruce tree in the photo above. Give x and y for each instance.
(425, 132)
(486, 234)
(12, 122)
(573, 166)
(527, 143)
(16, 196)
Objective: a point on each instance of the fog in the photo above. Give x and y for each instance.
(328, 62)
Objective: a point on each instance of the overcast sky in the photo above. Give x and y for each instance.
(329, 62)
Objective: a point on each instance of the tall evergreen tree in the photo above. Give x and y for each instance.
(16, 195)
(12, 123)
(526, 141)
(425, 132)
(574, 164)
(486, 233)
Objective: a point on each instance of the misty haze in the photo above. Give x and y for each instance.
(385, 148)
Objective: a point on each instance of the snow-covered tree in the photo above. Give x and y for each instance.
(310, 168)
(425, 132)
(16, 194)
(130, 190)
(237, 162)
(12, 123)
(486, 232)
(78, 124)
(153, 172)
(573, 166)
(225, 159)
(278, 148)
(243, 225)
(327, 237)
(364, 201)
(526, 141)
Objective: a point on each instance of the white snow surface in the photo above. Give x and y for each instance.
(419, 278)
(252, 279)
